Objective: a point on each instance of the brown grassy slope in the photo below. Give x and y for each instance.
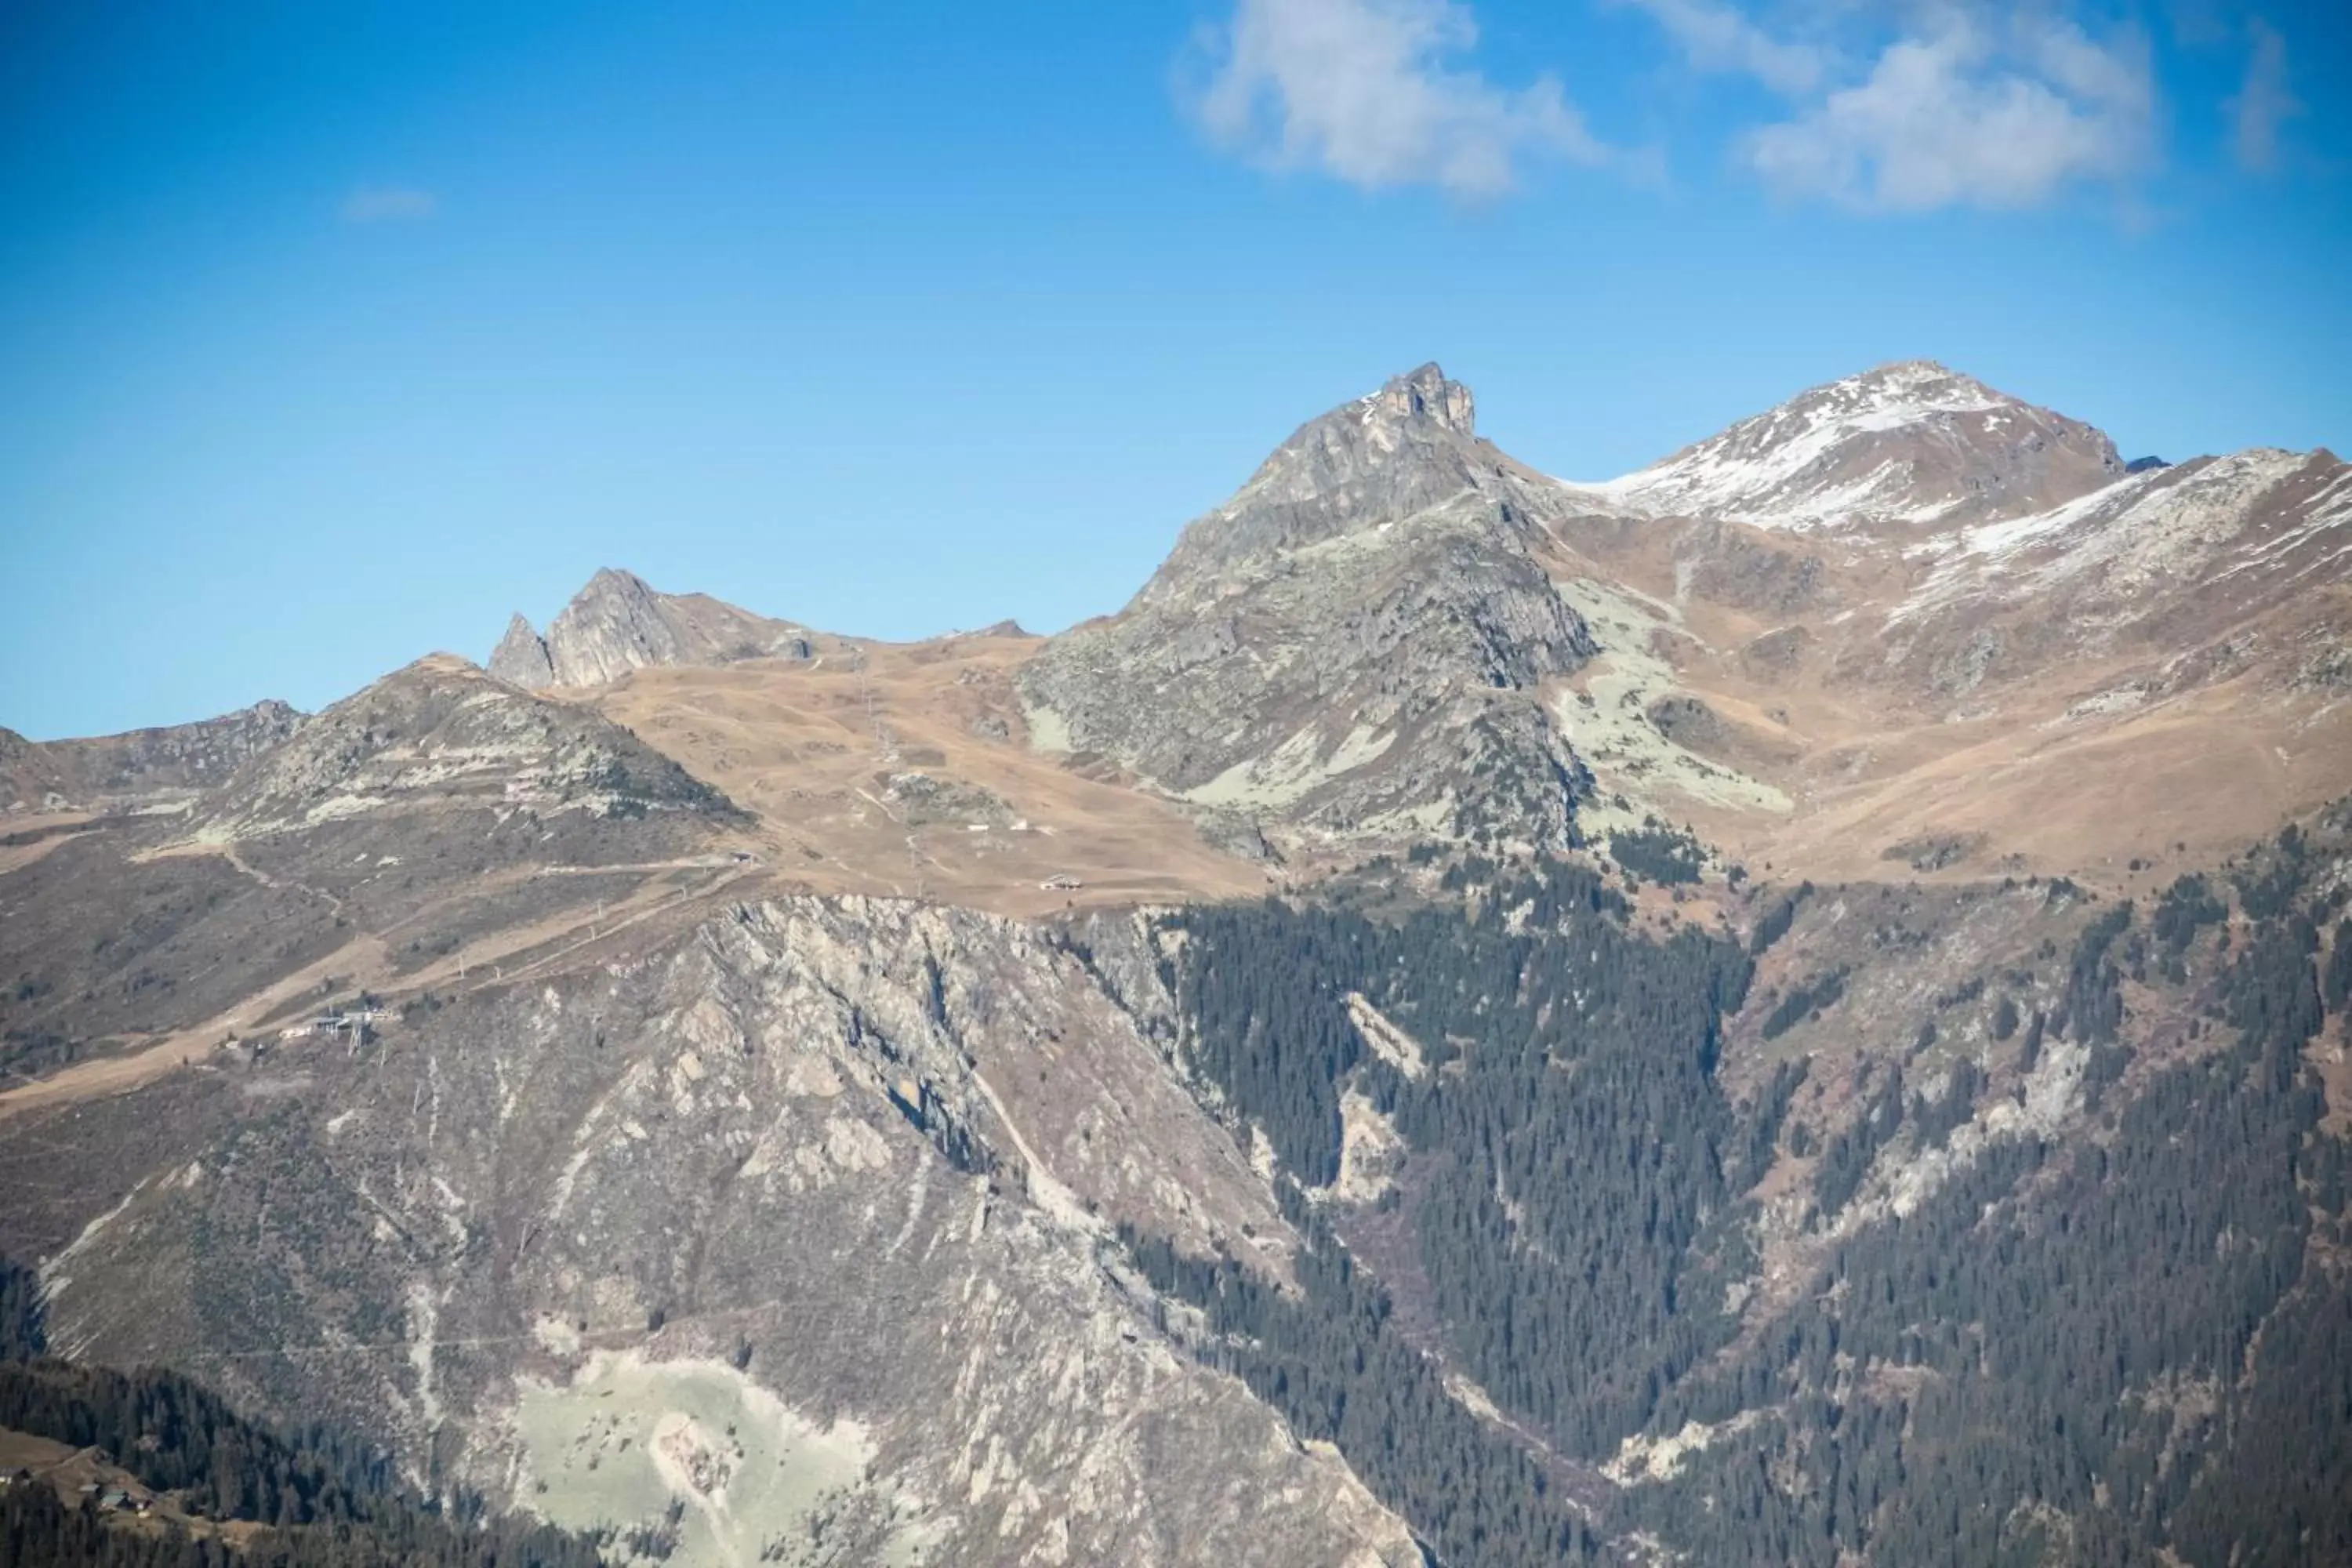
(821, 750)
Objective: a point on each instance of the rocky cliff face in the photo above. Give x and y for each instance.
(1352, 646)
(802, 1221)
(617, 624)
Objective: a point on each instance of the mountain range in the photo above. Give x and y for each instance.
(1787, 1007)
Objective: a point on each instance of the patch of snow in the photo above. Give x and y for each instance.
(2169, 525)
(1755, 471)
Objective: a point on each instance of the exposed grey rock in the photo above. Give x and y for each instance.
(1235, 835)
(439, 735)
(1773, 655)
(141, 768)
(618, 622)
(923, 798)
(521, 658)
(1934, 851)
(30, 775)
(830, 1169)
(1352, 646)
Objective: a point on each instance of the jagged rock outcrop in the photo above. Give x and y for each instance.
(618, 622)
(521, 658)
(1352, 646)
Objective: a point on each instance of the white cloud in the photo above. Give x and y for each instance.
(1714, 36)
(2265, 101)
(389, 204)
(1362, 89)
(1999, 116)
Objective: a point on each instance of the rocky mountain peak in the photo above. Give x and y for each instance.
(1924, 383)
(618, 622)
(611, 627)
(1394, 454)
(1426, 395)
(1906, 445)
(1406, 416)
(1356, 641)
(440, 734)
(613, 584)
(520, 658)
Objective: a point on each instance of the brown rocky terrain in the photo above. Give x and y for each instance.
(575, 994)
(909, 771)
(698, 1067)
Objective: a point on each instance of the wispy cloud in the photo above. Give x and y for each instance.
(2265, 101)
(1714, 36)
(1979, 111)
(1367, 91)
(388, 204)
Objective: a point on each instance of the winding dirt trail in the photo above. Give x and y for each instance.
(365, 961)
(361, 956)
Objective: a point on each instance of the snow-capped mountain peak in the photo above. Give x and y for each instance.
(1908, 444)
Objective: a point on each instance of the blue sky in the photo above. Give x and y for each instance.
(332, 334)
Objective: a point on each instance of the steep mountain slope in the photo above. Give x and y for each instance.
(617, 624)
(1352, 645)
(2179, 564)
(436, 818)
(155, 767)
(792, 1219)
(1983, 1198)
(1997, 1223)
(906, 771)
